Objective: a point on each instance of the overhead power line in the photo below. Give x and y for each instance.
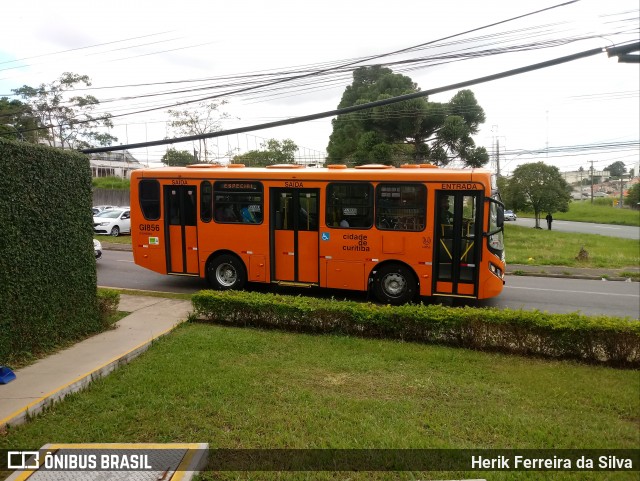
(352, 63)
(74, 50)
(331, 113)
(345, 66)
(623, 145)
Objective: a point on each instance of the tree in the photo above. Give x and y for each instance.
(538, 187)
(67, 121)
(17, 121)
(633, 196)
(205, 118)
(273, 152)
(617, 169)
(178, 158)
(411, 131)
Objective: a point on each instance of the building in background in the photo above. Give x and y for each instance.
(113, 164)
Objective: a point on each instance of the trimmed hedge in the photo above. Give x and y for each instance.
(600, 339)
(47, 264)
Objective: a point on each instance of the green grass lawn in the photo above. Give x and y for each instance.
(124, 239)
(600, 214)
(585, 211)
(546, 247)
(247, 388)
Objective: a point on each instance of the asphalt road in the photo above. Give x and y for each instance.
(623, 231)
(558, 295)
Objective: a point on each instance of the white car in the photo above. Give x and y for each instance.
(112, 222)
(510, 215)
(97, 248)
(96, 209)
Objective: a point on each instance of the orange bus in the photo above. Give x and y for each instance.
(400, 233)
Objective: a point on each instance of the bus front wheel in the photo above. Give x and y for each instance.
(394, 284)
(226, 272)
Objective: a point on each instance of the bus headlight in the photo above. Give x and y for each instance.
(496, 270)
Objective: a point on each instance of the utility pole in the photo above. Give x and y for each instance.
(591, 169)
(620, 203)
(547, 136)
(494, 129)
(580, 170)
(123, 161)
(498, 157)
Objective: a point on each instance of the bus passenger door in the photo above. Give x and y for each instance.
(294, 235)
(180, 224)
(458, 235)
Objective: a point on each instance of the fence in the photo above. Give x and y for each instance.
(111, 197)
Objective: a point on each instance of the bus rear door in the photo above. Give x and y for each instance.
(294, 235)
(458, 241)
(181, 232)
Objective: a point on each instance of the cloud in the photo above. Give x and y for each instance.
(196, 39)
(62, 35)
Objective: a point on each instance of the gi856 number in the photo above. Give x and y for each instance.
(149, 227)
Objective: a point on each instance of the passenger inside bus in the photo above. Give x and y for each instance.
(446, 217)
(226, 214)
(247, 216)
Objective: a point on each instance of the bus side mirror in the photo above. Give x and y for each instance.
(496, 216)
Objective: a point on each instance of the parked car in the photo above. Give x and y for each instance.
(97, 247)
(96, 209)
(510, 215)
(112, 222)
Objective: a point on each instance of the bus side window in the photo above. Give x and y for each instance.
(238, 202)
(401, 207)
(149, 193)
(205, 201)
(349, 205)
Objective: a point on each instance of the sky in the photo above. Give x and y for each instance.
(569, 115)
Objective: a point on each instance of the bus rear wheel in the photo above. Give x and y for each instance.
(226, 272)
(394, 284)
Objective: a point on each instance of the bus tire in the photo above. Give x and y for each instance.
(394, 284)
(226, 272)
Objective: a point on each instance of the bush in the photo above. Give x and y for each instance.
(600, 339)
(47, 263)
(108, 302)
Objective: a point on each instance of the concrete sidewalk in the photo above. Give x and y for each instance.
(595, 273)
(50, 379)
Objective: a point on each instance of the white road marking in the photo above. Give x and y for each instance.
(574, 292)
